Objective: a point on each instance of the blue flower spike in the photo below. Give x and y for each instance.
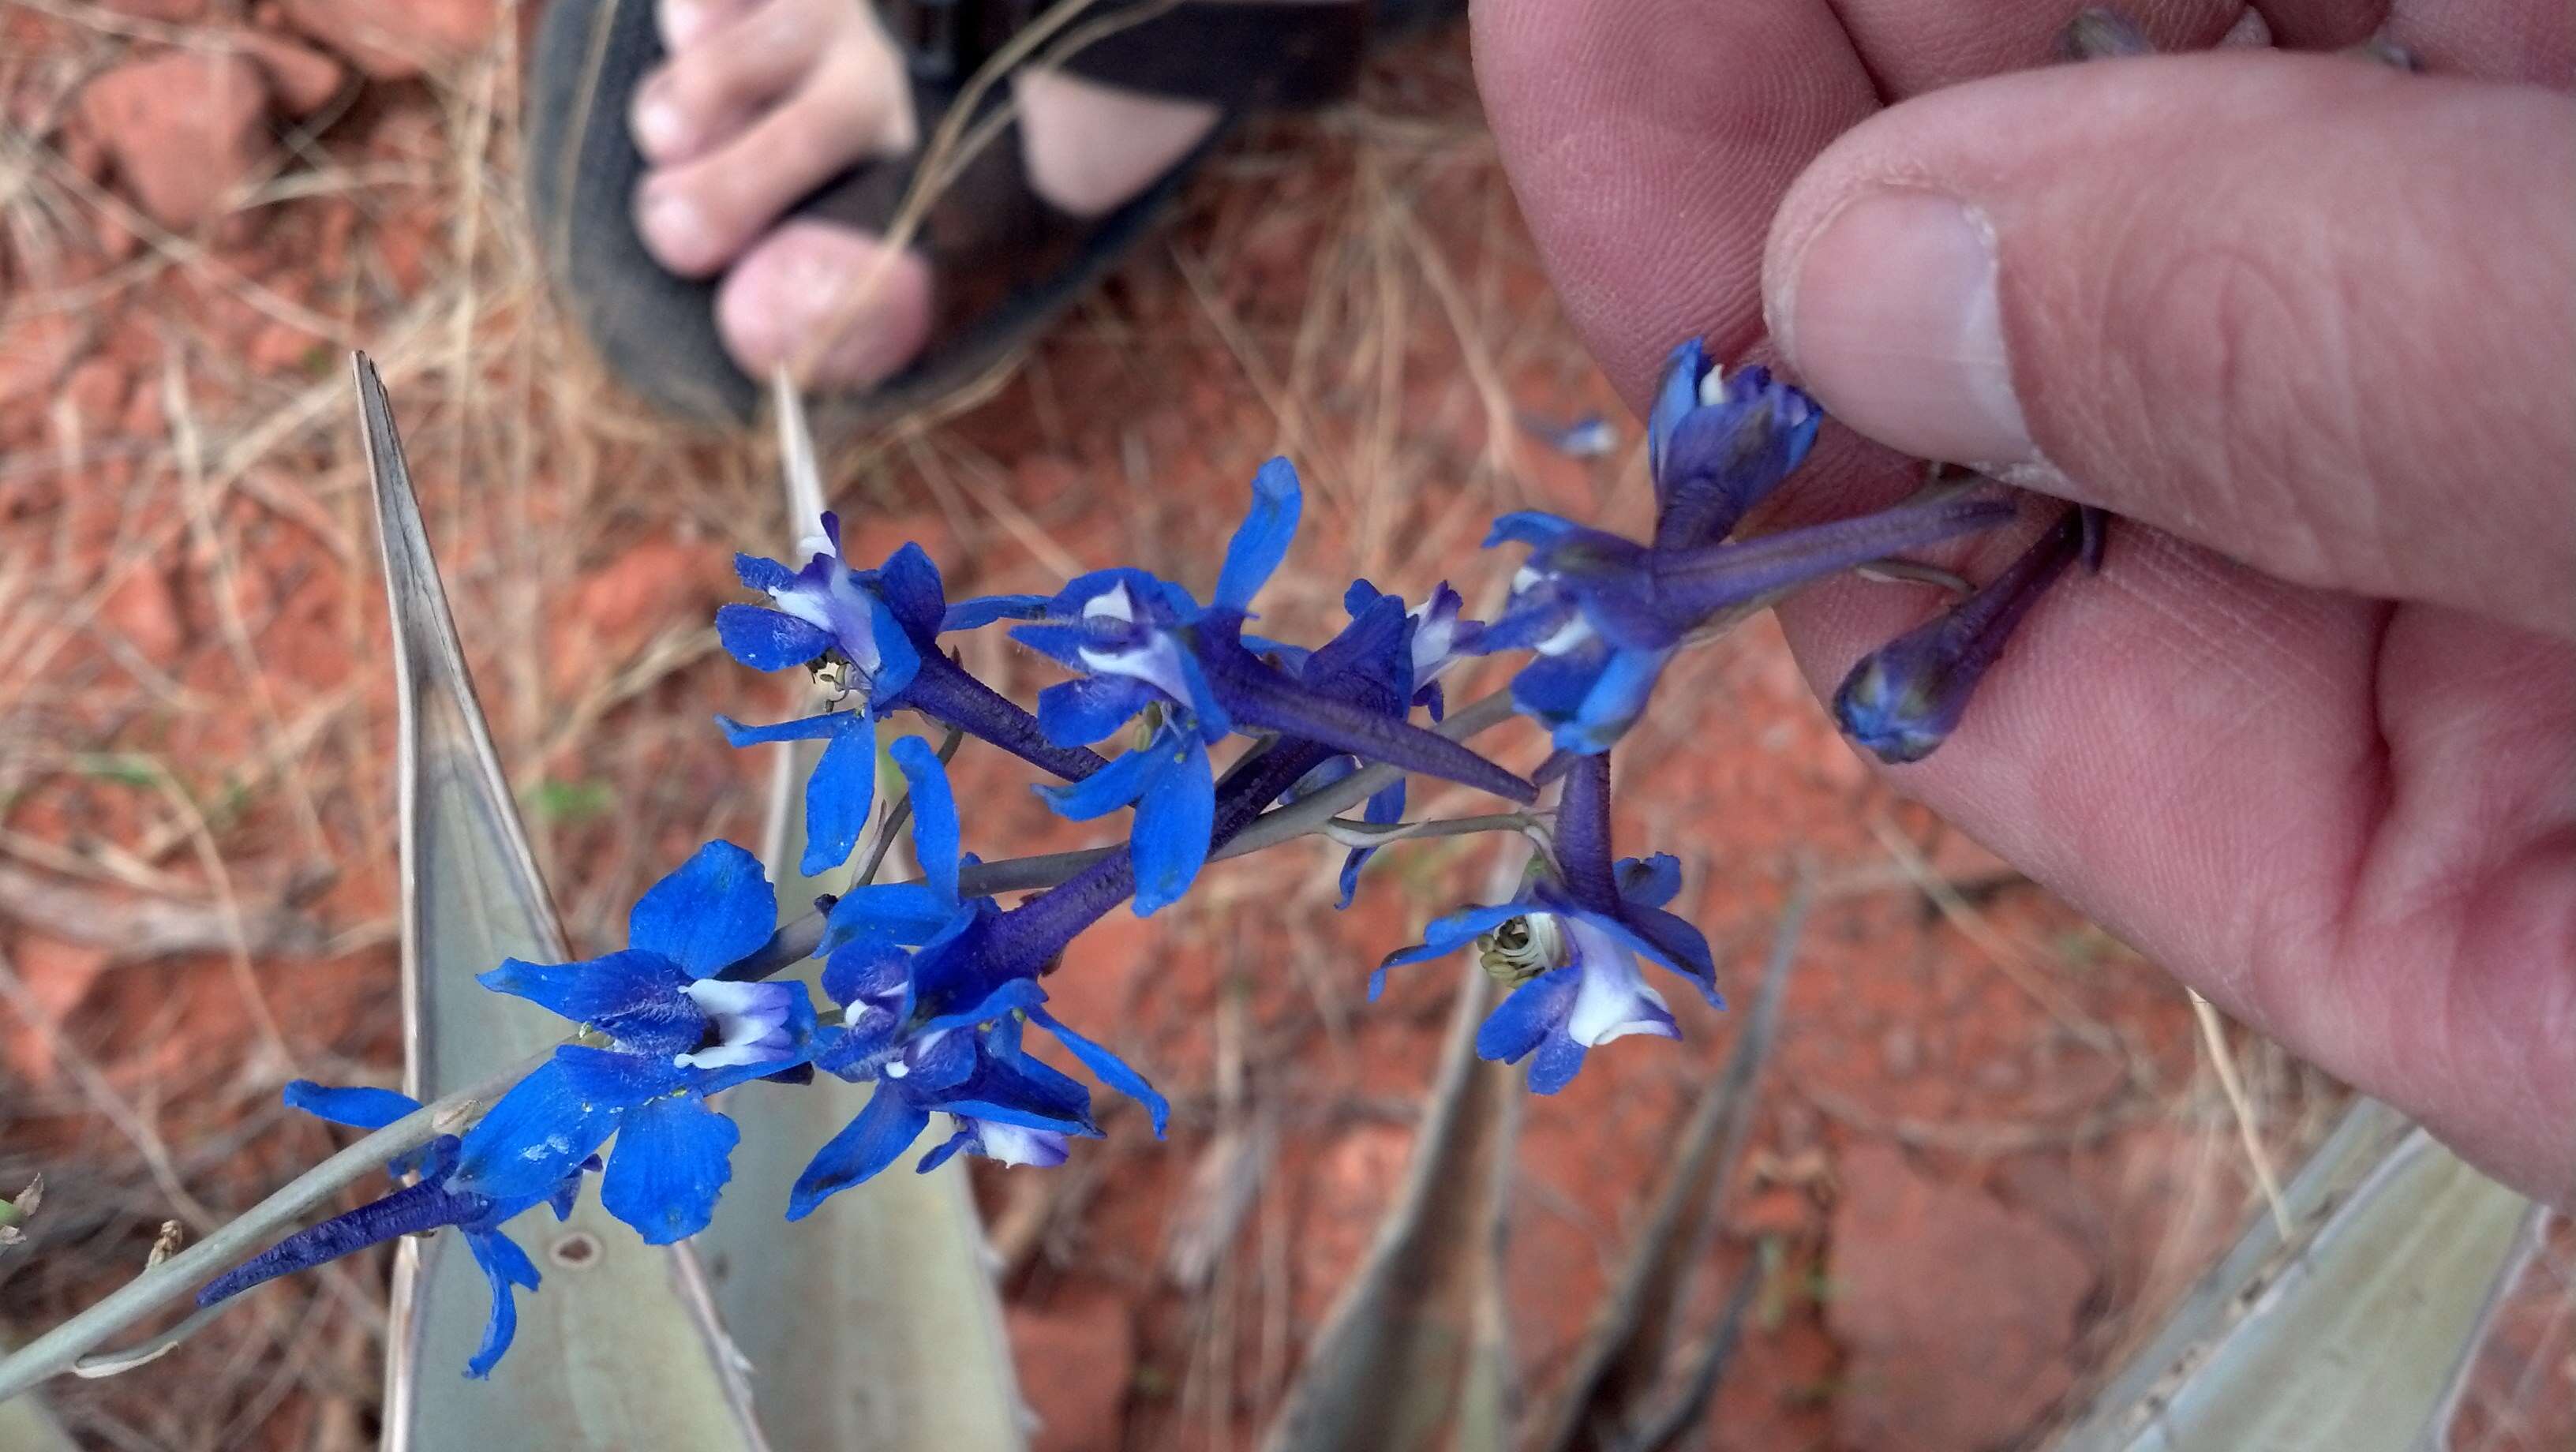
(935, 990)
(1904, 699)
(430, 1204)
(875, 633)
(1569, 945)
(1603, 615)
(662, 1032)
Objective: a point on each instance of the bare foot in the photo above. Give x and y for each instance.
(764, 100)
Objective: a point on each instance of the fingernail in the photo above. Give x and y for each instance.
(1891, 317)
(675, 227)
(661, 130)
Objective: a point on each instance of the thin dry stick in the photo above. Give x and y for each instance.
(2223, 1059)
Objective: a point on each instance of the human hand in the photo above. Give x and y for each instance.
(2310, 738)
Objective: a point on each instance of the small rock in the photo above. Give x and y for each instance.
(394, 42)
(58, 976)
(1077, 1358)
(144, 611)
(41, 346)
(1957, 1313)
(97, 390)
(301, 80)
(185, 128)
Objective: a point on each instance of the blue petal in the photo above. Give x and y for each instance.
(1559, 1057)
(1113, 786)
(1056, 640)
(1528, 1015)
(875, 1139)
(935, 833)
(670, 1164)
(1108, 1068)
(505, 1265)
(1013, 996)
(1385, 807)
(359, 1108)
(769, 640)
(592, 990)
(1081, 711)
(1261, 541)
(1617, 698)
(1675, 943)
(1675, 397)
(898, 661)
(828, 726)
(717, 907)
(869, 966)
(1447, 935)
(901, 912)
(1174, 819)
(838, 797)
(1533, 527)
(603, 1079)
(983, 610)
(534, 1136)
(1650, 881)
(763, 575)
(909, 584)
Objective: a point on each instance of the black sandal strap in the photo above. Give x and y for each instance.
(1257, 55)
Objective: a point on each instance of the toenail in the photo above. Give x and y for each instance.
(661, 127)
(683, 21)
(676, 227)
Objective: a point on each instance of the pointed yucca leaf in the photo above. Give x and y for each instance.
(620, 1349)
(1415, 1353)
(2349, 1337)
(1606, 1395)
(25, 1425)
(873, 1323)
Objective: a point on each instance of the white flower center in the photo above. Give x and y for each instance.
(1613, 999)
(749, 1019)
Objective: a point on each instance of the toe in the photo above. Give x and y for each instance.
(685, 22)
(698, 214)
(739, 60)
(835, 307)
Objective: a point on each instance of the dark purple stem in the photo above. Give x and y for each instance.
(1028, 935)
(943, 691)
(1977, 628)
(1695, 583)
(1255, 694)
(1583, 834)
(408, 1211)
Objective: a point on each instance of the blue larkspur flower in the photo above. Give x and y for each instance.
(1144, 643)
(1603, 615)
(1383, 661)
(880, 629)
(1904, 699)
(665, 1032)
(430, 1204)
(935, 989)
(1571, 944)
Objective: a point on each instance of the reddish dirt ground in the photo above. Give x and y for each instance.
(1988, 1142)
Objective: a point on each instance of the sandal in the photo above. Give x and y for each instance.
(1003, 261)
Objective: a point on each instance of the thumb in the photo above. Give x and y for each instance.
(2309, 312)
